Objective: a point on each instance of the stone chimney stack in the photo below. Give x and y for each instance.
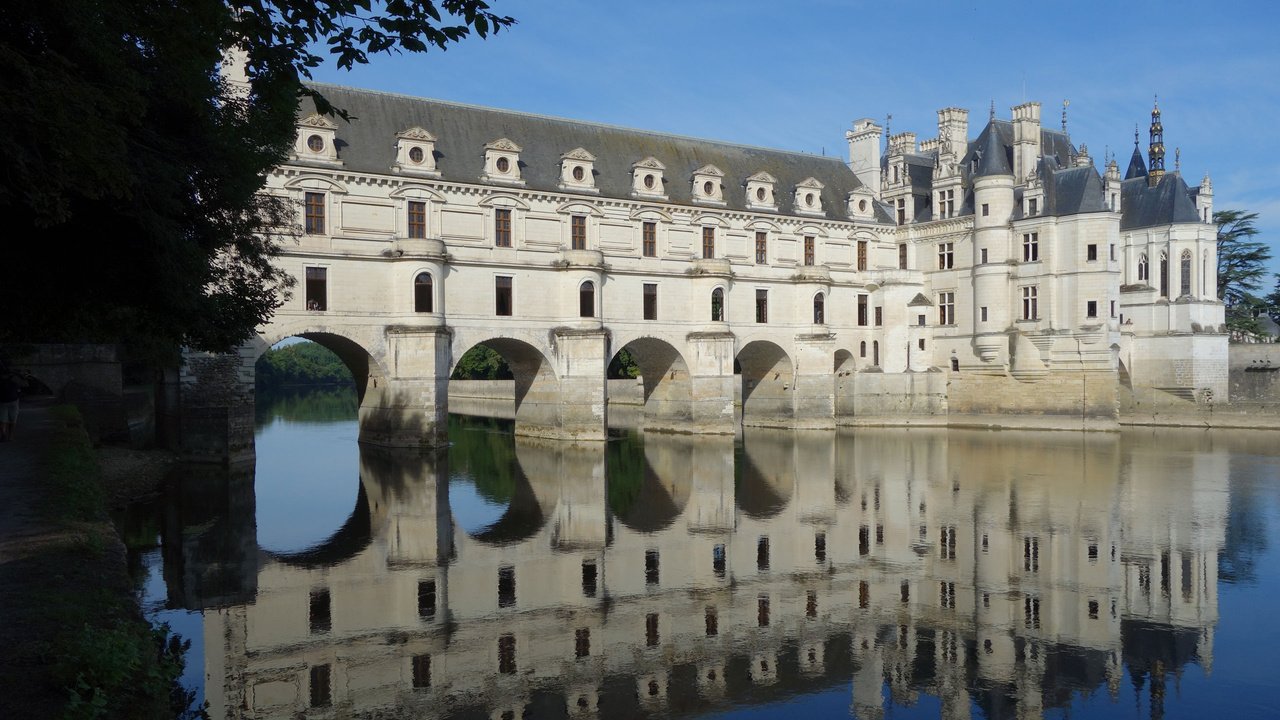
(1026, 139)
(864, 153)
(953, 130)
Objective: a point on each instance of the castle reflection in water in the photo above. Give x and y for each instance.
(1005, 574)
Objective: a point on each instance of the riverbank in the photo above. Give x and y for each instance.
(76, 643)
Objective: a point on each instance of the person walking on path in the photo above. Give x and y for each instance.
(11, 385)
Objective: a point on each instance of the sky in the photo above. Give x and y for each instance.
(794, 75)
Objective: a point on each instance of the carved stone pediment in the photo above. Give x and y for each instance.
(316, 120)
(578, 154)
(416, 133)
(650, 163)
(504, 145)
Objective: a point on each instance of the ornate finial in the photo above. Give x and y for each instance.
(1065, 103)
(887, 119)
(1177, 159)
(1135, 135)
(992, 116)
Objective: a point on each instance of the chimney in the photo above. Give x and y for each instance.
(864, 153)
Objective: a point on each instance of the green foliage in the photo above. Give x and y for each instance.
(71, 470)
(129, 669)
(305, 363)
(623, 366)
(1242, 264)
(482, 363)
(484, 449)
(136, 170)
(624, 468)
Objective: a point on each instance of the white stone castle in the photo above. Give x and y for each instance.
(948, 281)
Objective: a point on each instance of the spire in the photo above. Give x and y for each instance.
(991, 157)
(1137, 168)
(992, 114)
(1065, 103)
(1156, 148)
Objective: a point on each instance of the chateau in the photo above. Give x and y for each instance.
(952, 280)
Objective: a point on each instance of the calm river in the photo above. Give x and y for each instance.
(872, 574)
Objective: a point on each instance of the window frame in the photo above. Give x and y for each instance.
(419, 295)
(762, 247)
(762, 306)
(649, 301)
(314, 211)
(649, 238)
(708, 242)
(502, 227)
(416, 219)
(501, 283)
(578, 232)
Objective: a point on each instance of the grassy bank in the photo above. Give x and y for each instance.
(90, 652)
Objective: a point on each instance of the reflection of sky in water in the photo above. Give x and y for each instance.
(307, 480)
(472, 512)
(187, 623)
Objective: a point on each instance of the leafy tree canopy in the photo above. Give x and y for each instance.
(1242, 269)
(133, 170)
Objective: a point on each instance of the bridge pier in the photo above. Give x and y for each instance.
(710, 360)
(815, 386)
(571, 404)
(410, 406)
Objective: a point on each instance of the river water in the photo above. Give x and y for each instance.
(873, 574)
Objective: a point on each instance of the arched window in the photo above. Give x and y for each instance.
(1186, 273)
(875, 353)
(422, 293)
(819, 309)
(717, 305)
(1164, 274)
(1142, 268)
(587, 299)
(862, 349)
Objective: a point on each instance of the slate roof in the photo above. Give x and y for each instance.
(367, 144)
(994, 156)
(1168, 202)
(1071, 191)
(1137, 168)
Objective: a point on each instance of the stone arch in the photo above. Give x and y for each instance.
(367, 370)
(843, 362)
(536, 386)
(649, 496)
(768, 384)
(667, 397)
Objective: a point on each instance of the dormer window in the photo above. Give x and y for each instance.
(707, 186)
(860, 203)
(316, 140)
(808, 197)
(502, 162)
(577, 171)
(760, 192)
(647, 179)
(416, 153)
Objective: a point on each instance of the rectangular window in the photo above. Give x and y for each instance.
(1031, 553)
(506, 587)
(1030, 247)
(650, 567)
(651, 636)
(1113, 251)
(762, 554)
(902, 256)
(421, 671)
(507, 654)
(317, 288)
(864, 594)
(902, 211)
(712, 622)
(879, 316)
(864, 540)
(946, 255)
(318, 615)
(862, 254)
(1030, 303)
(762, 611)
(920, 320)
(502, 296)
(321, 692)
(1091, 252)
(762, 247)
(986, 209)
(1031, 612)
(862, 310)
(820, 547)
(946, 308)
(762, 306)
(983, 253)
(1093, 609)
(314, 213)
(1033, 207)
(578, 232)
(589, 575)
(708, 242)
(1091, 309)
(417, 219)
(582, 642)
(809, 250)
(650, 301)
(811, 604)
(904, 592)
(502, 227)
(649, 239)
(427, 599)
(951, 203)
(718, 560)
(983, 313)
(1113, 308)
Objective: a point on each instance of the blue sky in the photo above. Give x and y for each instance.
(794, 75)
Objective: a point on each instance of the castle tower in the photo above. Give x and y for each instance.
(1156, 148)
(993, 206)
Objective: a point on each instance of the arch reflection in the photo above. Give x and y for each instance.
(1014, 572)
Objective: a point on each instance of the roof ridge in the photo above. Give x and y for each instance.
(556, 118)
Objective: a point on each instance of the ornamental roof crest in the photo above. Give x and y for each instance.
(316, 120)
(416, 133)
(578, 154)
(651, 163)
(503, 144)
(763, 177)
(810, 183)
(709, 170)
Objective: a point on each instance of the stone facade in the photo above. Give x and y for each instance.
(428, 227)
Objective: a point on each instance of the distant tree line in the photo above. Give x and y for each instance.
(304, 363)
